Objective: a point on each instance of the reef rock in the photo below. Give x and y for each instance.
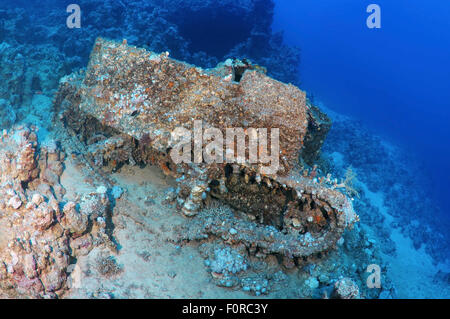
(29, 71)
(138, 100)
(345, 288)
(7, 114)
(35, 233)
(202, 32)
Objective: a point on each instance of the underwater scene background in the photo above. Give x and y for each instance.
(386, 91)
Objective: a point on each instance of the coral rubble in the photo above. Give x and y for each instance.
(39, 231)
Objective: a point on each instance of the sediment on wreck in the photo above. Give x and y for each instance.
(135, 99)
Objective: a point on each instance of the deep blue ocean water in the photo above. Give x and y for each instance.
(395, 79)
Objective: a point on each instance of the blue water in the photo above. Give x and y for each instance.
(395, 79)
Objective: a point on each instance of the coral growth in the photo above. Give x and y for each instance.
(385, 169)
(200, 32)
(39, 231)
(348, 183)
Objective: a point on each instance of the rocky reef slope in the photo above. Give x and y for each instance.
(41, 233)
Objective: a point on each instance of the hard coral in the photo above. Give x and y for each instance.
(35, 235)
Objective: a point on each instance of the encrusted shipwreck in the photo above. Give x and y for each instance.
(129, 102)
